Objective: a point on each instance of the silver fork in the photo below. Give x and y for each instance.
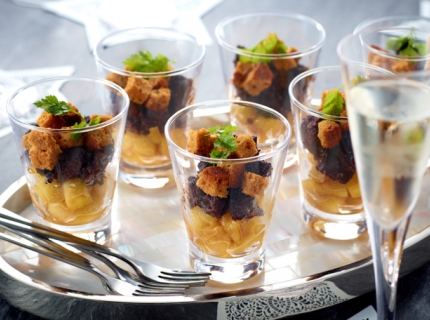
(111, 284)
(149, 273)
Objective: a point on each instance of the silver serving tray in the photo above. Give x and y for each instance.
(303, 271)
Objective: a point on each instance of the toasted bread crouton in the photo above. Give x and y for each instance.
(402, 66)
(329, 133)
(71, 117)
(254, 185)
(48, 120)
(99, 138)
(117, 79)
(246, 146)
(158, 83)
(240, 72)
(138, 89)
(158, 99)
(258, 79)
(199, 142)
(42, 148)
(285, 64)
(65, 140)
(214, 181)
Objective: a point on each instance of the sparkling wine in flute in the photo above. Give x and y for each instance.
(390, 119)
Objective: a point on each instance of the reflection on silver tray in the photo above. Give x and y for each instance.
(303, 272)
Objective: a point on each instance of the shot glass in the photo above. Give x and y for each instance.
(159, 69)
(227, 201)
(262, 52)
(329, 186)
(70, 149)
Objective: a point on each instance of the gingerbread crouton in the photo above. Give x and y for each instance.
(287, 63)
(214, 181)
(246, 146)
(71, 117)
(48, 120)
(402, 66)
(117, 79)
(158, 99)
(43, 149)
(158, 83)
(258, 79)
(99, 138)
(138, 89)
(65, 140)
(254, 185)
(199, 142)
(329, 133)
(240, 72)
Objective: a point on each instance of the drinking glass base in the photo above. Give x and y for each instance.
(227, 270)
(147, 178)
(334, 226)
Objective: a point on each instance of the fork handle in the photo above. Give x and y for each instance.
(68, 256)
(15, 221)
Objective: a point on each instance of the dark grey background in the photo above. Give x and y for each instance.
(33, 38)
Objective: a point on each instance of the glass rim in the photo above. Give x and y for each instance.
(371, 21)
(215, 103)
(382, 53)
(307, 109)
(65, 79)
(127, 73)
(301, 53)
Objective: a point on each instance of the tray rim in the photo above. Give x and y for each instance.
(253, 292)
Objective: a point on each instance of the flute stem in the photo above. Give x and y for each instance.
(387, 249)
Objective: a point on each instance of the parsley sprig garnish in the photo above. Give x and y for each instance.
(145, 62)
(225, 143)
(407, 45)
(270, 45)
(52, 105)
(333, 103)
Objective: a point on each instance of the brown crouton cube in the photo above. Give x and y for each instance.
(240, 72)
(329, 133)
(285, 64)
(117, 79)
(65, 140)
(258, 79)
(246, 146)
(402, 66)
(158, 83)
(42, 148)
(98, 138)
(158, 99)
(214, 181)
(71, 117)
(48, 120)
(344, 123)
(254, 185)
(199, 142)
(138, 89)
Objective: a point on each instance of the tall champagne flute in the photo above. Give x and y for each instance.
(389, 119)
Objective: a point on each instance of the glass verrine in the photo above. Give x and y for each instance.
(330, 192)
(394, 22)
(284, 44)
(69, 147)
(389, 119)
(159, 69)
(227, 203)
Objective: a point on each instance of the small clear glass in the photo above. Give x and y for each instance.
(330, 191)
(154, 97)
(304, 38)
(227, 232)
(71, 172)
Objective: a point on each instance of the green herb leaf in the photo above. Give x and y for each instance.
(95, 121)
(270, 45)
(145, 62)
(225, 141)
(333, 103)
(83, 124)
(358, 79)
(52, 105)
(407, 45)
